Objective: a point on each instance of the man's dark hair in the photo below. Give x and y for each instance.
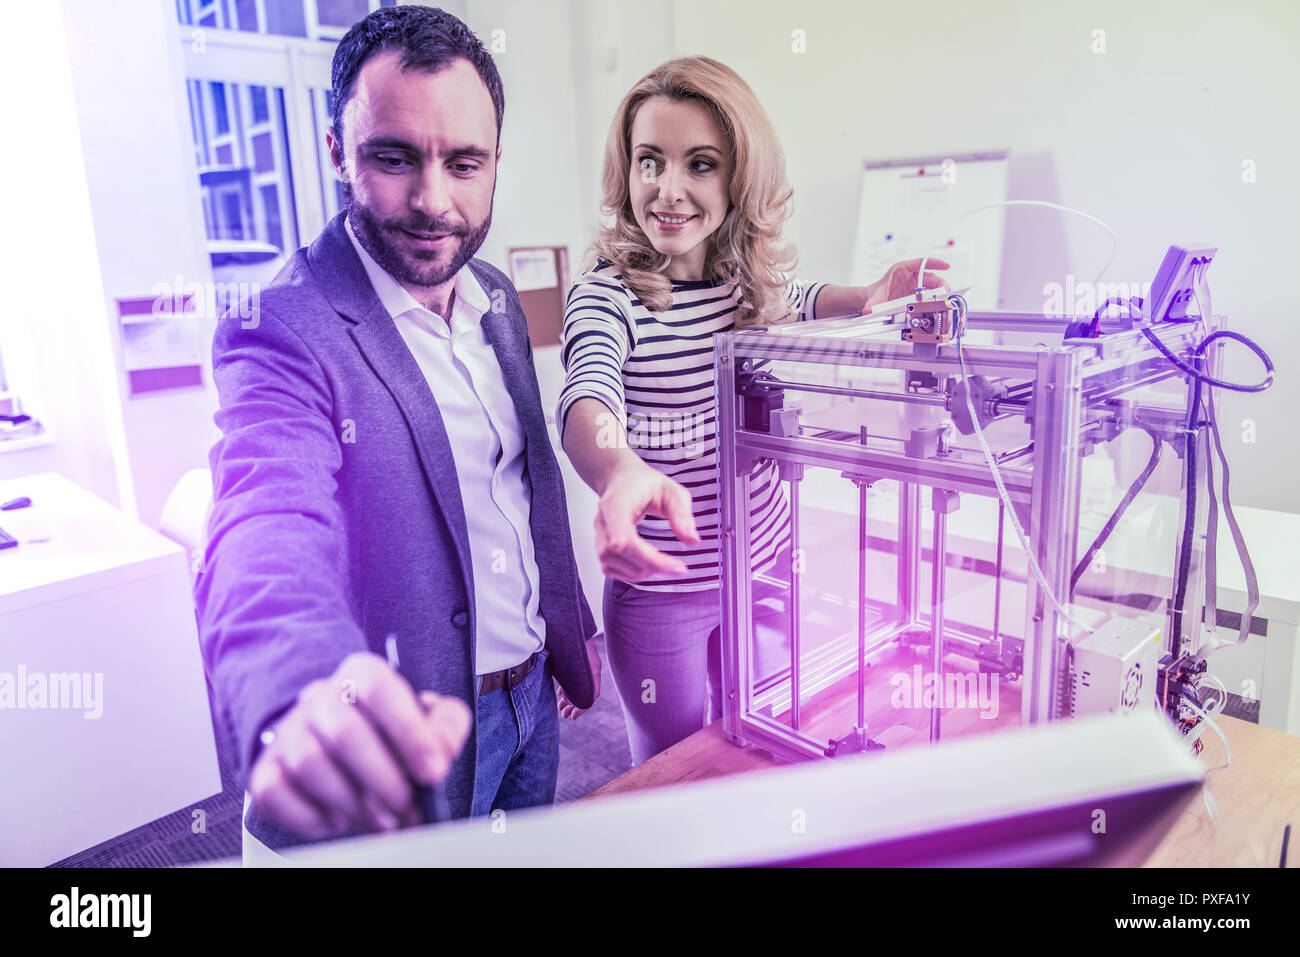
(428, 39)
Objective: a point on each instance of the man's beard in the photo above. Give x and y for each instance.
(379, 237)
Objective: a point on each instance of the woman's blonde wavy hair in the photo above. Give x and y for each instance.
(746, 247)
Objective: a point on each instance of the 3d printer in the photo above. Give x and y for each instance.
(927, 417)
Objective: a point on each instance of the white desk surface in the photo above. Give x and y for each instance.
(66, 537)
(1270, 538)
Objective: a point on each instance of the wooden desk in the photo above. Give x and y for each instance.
(1256, 796)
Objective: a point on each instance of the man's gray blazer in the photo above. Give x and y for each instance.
(338, 517)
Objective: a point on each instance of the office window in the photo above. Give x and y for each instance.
(340, 14)
(271, 212)
(331, 189)
(244, 163)
(234, 212)
(259, 109)
(220, 115)
(309, 19)
(261, 113)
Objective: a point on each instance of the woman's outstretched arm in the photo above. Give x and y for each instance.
(629, 489)
(598, 337)
(898, 281)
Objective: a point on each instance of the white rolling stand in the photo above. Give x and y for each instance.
(105, 600)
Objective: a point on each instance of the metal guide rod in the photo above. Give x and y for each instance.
(794, 598)
(910, 398)
(909, 552)
(936, 615)
(862, 596)
(1016, 404)
(997, 583)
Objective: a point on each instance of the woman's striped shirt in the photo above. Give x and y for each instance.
(654, 371)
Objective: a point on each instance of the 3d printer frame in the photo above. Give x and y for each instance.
(1072, 396)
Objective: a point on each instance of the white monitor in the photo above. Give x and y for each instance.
(1092, 790)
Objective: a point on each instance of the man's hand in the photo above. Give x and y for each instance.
(343, 757)
(567, 708)
(632, 492)
(899, 280)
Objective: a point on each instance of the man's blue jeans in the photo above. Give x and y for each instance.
(518, 732)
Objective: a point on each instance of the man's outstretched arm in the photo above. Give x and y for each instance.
(277, 633)
(273, 615)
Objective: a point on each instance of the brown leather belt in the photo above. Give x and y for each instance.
(518, 673)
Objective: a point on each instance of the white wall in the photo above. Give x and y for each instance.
(537, 188)
(54, 328)
(615, 44)
(1149, 137)
(144, 192)
(565, 65)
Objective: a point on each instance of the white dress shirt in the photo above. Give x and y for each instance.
(487, 446)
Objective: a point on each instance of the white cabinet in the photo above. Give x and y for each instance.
(104, 720)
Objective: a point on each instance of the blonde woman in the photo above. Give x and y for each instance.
(695, 189)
